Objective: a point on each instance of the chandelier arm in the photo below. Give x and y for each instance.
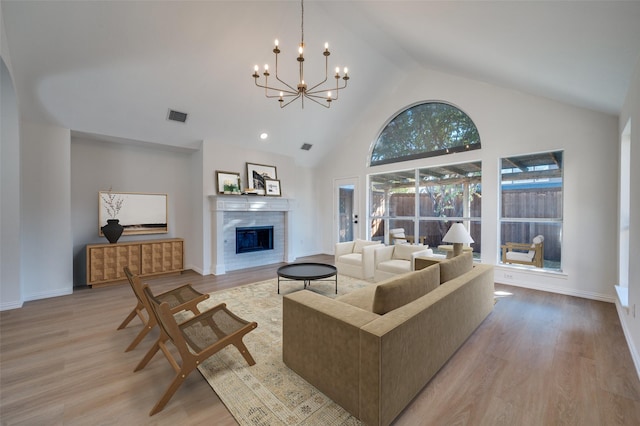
(295, 98)
(293, 89)
(290, 89)
(328, 105)
(286, 91)
(338, 88)
(326, 74)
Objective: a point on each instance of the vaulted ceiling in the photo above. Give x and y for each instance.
(115, 68)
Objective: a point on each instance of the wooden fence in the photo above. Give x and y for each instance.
(536, 203)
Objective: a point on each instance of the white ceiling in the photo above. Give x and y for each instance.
(114, 68)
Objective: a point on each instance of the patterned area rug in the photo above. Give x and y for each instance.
(269, 393)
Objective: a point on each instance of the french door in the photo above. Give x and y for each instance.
(346, 209)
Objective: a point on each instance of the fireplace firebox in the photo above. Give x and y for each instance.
(254, 238)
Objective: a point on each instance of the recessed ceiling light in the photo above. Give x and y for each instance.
(264, 136)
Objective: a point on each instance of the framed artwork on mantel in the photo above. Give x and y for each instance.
(256, 175)
(138, 213)
(272, 187)
(228, 182)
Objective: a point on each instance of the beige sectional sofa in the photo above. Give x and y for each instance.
(374, 349)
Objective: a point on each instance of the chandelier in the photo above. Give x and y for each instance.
(287, 93)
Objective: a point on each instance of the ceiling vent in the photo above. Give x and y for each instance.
(306, 146)
(177, 116)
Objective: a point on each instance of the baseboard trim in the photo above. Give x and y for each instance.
(196, 269)
(49, 294)
(562, 290)
(11, 305)
(635, 356)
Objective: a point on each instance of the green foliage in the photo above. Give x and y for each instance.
(424, 130)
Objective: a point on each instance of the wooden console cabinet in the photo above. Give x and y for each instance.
(105, 262)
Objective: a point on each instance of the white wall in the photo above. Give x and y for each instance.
(198, 213)
(510, 123)
(630, 318)
(10, 291)
(46, 258)
(296, 183)
(98, 166)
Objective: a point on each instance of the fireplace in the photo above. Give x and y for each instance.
(240, 211)
(254, 238)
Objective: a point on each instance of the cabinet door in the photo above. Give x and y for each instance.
(175, 259)
(107, 263)
(163, 256)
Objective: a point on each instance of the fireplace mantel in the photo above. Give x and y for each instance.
(228, 205)
(250, 203)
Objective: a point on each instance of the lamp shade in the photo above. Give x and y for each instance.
(457, 234)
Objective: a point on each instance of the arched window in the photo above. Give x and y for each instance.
(425, 130)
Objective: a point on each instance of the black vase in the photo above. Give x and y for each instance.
(112, 230)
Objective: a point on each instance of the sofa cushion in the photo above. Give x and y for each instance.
(395, 266)
(403, 289)
(453, 268)
(361, 298)
(352, 259)
(404, 251)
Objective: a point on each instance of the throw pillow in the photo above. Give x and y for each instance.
(453, 268)
(538, 239)
(404, 251)
(405, 288)
(358, 244)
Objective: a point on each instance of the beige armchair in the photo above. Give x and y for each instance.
(396, 259)
(355, 258)
(525, 254)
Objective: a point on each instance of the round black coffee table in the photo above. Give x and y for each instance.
(307, 272)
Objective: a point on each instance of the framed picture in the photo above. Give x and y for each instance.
(272, 187)
(256, 174)
(138, 213)
(228, 182)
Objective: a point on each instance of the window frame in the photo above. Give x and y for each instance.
(533, 222)
(417, 218)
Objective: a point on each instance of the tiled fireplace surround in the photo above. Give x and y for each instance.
(229, 212)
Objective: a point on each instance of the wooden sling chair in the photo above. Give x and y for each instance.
(183, 298)
(524, 253)
(398, 236)
(196, 339)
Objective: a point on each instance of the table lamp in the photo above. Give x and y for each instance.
(458, 235)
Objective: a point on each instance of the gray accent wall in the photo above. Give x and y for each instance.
(99, 165)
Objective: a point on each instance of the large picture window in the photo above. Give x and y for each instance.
(426, 201)
(531, 210)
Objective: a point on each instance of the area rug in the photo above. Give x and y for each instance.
(269, 393)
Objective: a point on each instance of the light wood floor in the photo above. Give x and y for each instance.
(538, 359)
